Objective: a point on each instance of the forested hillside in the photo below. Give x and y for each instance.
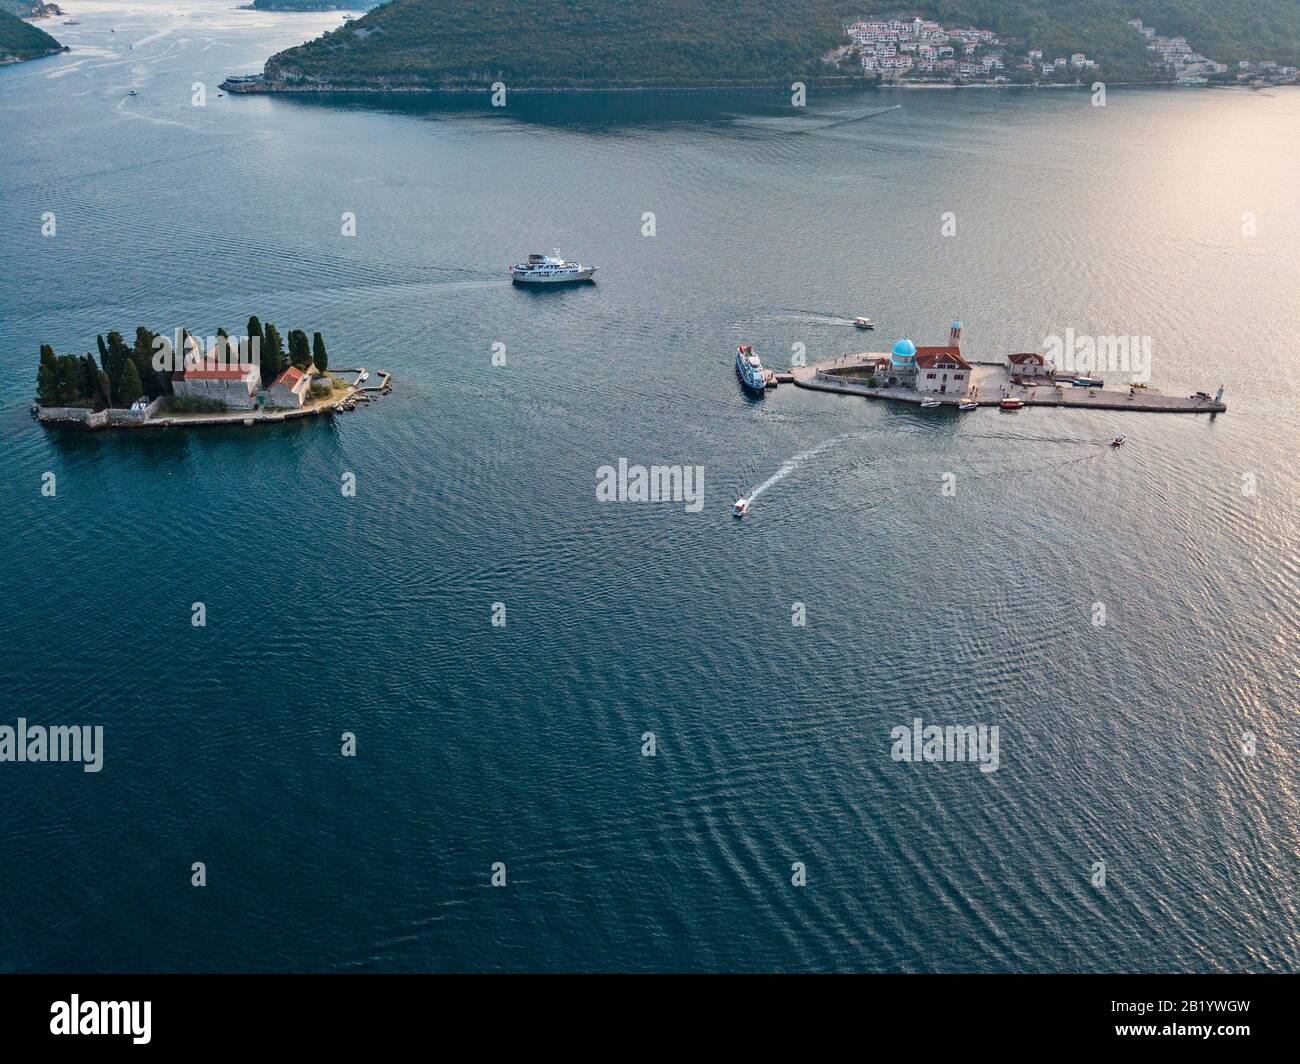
(437, 43)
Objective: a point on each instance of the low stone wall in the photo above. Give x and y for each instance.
(97, 419)
(77, 415)
(134, 417)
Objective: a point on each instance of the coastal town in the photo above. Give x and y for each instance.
(921, 50)
(1184, 65)
(917, 52)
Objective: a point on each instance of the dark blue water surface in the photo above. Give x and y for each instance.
(476, 485)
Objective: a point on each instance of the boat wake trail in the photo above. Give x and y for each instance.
(791, 464)
(859, 118)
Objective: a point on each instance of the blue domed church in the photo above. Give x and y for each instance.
(941, 370)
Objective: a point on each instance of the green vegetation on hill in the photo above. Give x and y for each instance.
(20, 40)
(542, 43)
(569, 42)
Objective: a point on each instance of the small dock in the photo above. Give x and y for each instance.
(848, 375)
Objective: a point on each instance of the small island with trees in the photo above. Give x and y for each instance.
(184, 379)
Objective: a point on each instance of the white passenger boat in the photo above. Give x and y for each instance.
(864, 323)
(749, 369)
(550, 269)
(968, 404)
(929, 403)
(740, 508)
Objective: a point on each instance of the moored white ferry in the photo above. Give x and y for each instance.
(749, 369)
(550, 269)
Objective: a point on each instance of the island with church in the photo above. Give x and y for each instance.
(947, 375)
(181, 379)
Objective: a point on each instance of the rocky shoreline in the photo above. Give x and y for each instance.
(256, 85)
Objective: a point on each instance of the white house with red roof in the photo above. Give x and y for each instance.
(289, 388)
(1029, 364)
(217, 380)
(943, 370)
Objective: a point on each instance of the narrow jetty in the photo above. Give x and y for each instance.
(991, 382)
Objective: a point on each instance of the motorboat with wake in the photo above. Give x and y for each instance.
(749, 369)
(740, 508)
(864, 323)
(550, 269)
(1119, 440)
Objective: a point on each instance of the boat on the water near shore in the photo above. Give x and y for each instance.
(1088, 382)
(749, 369)
(930, 402)
(740, 508)
(1011, 404)
(1119, 440)
(864, 323)
(550, 269)
(968, 404)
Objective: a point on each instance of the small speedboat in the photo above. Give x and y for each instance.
(1011, 404)
(1119, 440)
(968, 404)
(864, 323)
(929, 403)
(740, 508)
(133, 93)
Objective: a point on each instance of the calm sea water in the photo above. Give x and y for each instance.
(476, 484)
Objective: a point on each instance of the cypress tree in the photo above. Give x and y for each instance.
(105, 390)
(142, 356)
(254, 328)
(117, 357)
(89, 383)
(273, 360)
(318, 354)
(299, 349)
(47, 384)
(129, 390)
(69, 379)
(103, 351)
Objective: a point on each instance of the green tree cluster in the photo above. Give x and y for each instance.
(125, 372)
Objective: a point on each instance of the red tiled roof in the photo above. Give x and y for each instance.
(1026, 356)
(213, 373)
(289, 378)
(929, 357)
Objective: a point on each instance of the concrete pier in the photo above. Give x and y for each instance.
(994, 383)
